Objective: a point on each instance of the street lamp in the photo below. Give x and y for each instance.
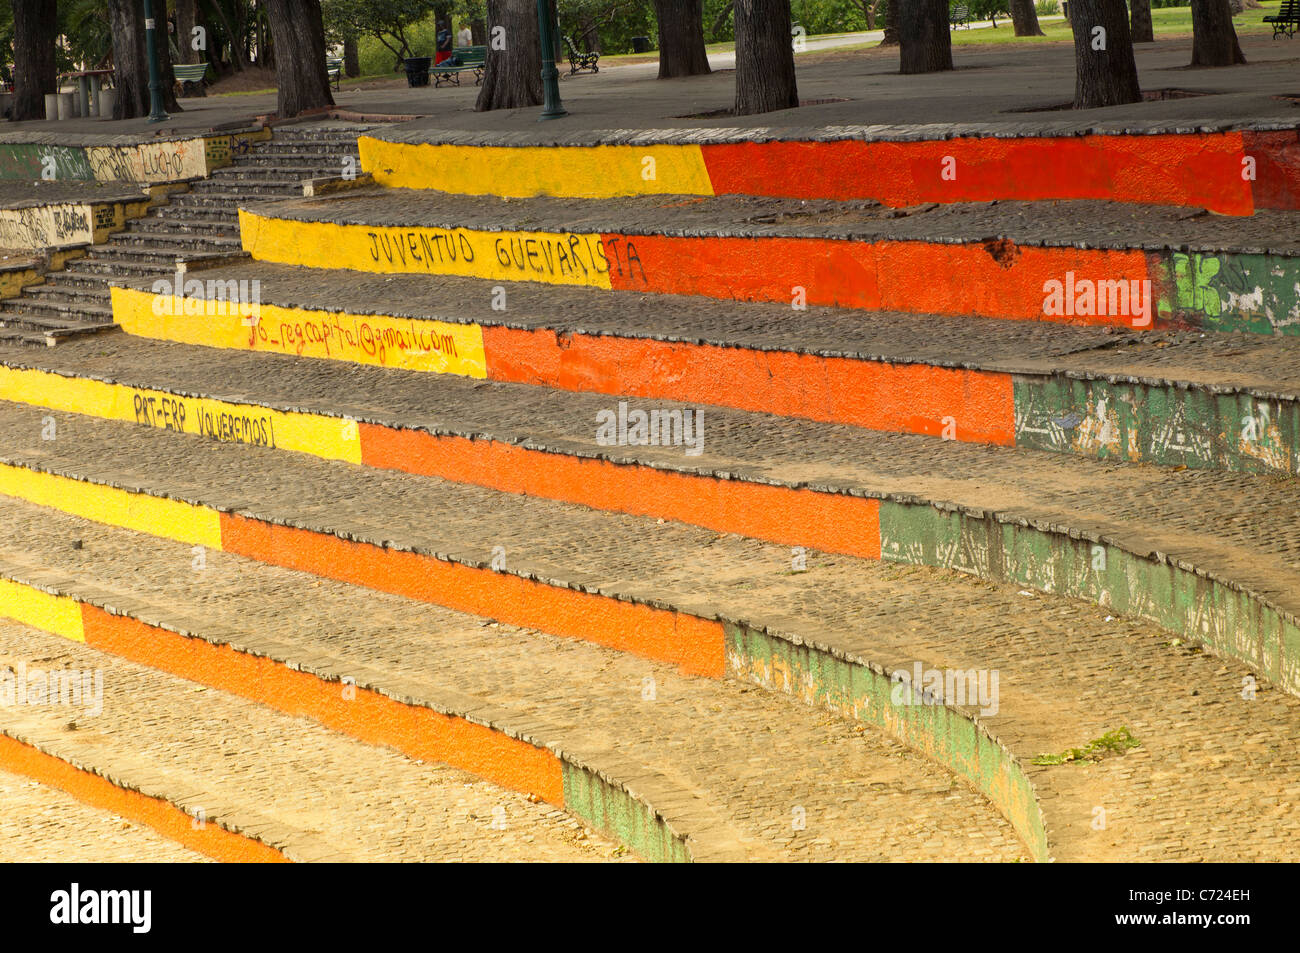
(156, 113)
(554, 109)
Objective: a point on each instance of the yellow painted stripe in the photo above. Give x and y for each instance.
(327, 437)
(170, 519)
(58, 615)
(559, 258)
(592, 172)
(381, 340)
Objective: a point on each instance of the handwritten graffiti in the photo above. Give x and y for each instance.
(167, 412)
(342, 338)
(564, 255)
(426, 247)
(1233, 292)
(45, 226)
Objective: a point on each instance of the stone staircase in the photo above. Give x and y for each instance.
(193, 224)
(409, 509)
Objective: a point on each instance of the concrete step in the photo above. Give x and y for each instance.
(254, 784)
(43, 821)
(715, 604)
(1181, 398)
(68, 292)
(202, 226)
(1094, 263)
(725, 765)
(325, 160)
(111, 265)
(167, 240)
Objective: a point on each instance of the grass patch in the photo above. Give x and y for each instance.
(1113, 742)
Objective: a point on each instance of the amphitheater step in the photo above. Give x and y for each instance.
(725, 764)
(1184, 398)
(287, 788)
(732, 604)
(1059, 262)
(43, 823)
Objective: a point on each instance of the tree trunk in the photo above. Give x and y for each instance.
(891, 24)
(764, 57)
(1140, 27)
(925, 44)
(238, 55)
(130, 68)
(478, 29)
(298, 34)
(512, 76)
(185, 17)
(35, 73)
(590, 39)
(1105, 75)
(351, 58)
(1214, 39)
(1025, 18)
(681, 38)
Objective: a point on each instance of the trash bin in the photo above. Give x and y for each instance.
(640, 44)
(417, 70)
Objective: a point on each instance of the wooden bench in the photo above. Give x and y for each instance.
(580, 61)
(189, 78)
(958, 17)
(468, 58)
(334, 69)
(1286, 20)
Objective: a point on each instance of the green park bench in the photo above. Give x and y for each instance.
(1286, 20)
(334, 69)
(189, 78)
(468, 58)
(958, 17)
(580, 61)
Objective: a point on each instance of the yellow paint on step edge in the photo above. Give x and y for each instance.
(380, 340)
(331, 438)
(157, 516)
(58, 615)
(589, 172)
(557, 258)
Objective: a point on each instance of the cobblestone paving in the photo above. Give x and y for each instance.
(1091, 223)
(1069, 673)
(1269, 363)
(751, 755)
(39, 824)
(1245, 526)
(316, 794)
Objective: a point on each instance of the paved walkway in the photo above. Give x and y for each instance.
(990, 82)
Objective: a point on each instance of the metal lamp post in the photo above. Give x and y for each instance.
(156, 113)
(554, 109)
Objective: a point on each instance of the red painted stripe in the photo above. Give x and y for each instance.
(900, 398)
(693, 644)
(839, 524)
(990, 279)
(1187, 170)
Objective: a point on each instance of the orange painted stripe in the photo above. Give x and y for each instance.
(695, 645)
(997, 279)
(210, 840)
(902, 398)
(1277, 168)
(839, 523)
(419, 732)
(1185, 170)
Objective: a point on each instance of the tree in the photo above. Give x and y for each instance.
(681, 38)
(298, 32)
(386, 20)
(131, 69)
(764, 57)
(925, 46)
(186, 14)
(1214, 39)
(891, 24)
(1024, 17)
(1140, 22)
(512, 73)
(35, 72)
(1105, 71)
